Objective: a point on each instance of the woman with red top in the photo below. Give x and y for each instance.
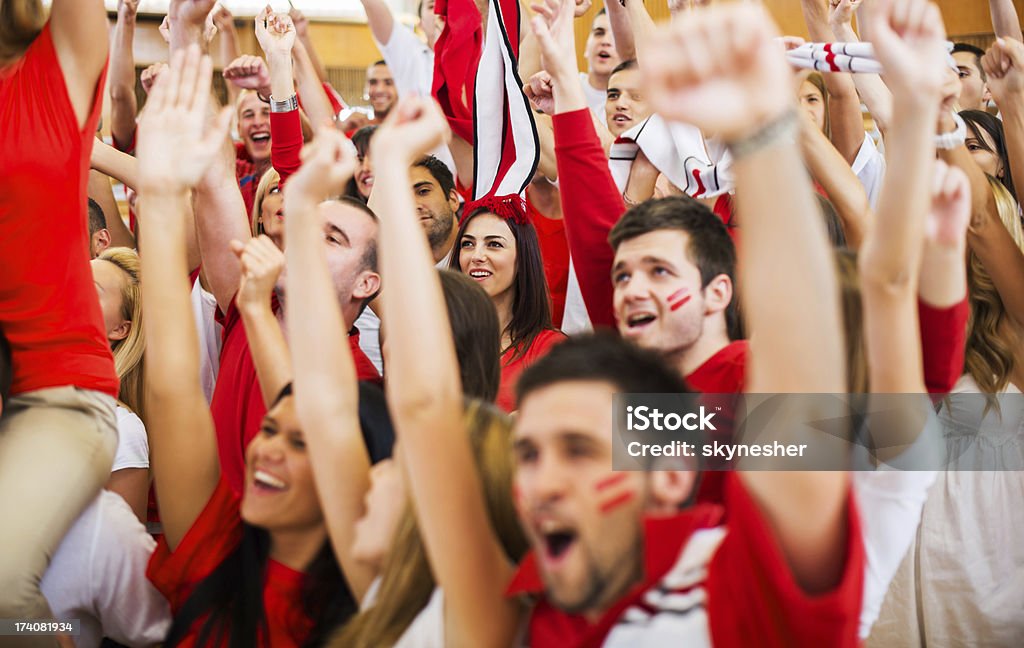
(255, 569)
(502, 254)
(58, 431)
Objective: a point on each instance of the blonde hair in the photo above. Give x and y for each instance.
(853, 321)
(20, 23)
(407, 581)
(271, 177)
(989, 357)
(129, 352)
(818, 81)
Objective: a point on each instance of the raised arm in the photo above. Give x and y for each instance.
(326, 392)
(870, 87)
(425, 396)
(189, 23)
(378, 16)
(1004, 69)
(306, 43)
(314, 97)
(276, 35)
(1004, 19)
(913, 55)
(99, 189)
(123, 104)
(740, 87)
(79, 29)
(591, 203)
(622, 30)
(227, 45)
(642, 28)
(847, 124)
(174, 149)
(119, 166)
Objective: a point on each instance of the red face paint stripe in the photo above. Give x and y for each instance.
(613, 480)
(679, 304)
(616, 502)
(676, 295)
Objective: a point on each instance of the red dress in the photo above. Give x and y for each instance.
(554, 253)
(49, 310)
(511, 369)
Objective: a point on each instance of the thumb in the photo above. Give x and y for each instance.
(237, 247)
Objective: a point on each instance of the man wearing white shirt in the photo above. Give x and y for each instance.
(602, 58)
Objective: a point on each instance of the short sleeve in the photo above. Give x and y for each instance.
(213, 536)
(132, 442)
(410, 61)
(752, 597)
(869, 166)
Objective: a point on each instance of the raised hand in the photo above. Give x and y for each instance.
(727, 85)
(261, 263)
(553, 28)
(223, 19)
(175, 143)
(151, 74)
(539, 91)
(193, 12)
(300, 21)
(1004, 69)
(910, 43)
(412, 129)
(250, 73)
(679, 6)
(582, 6)
(328, 163)
(275, 32)
(841, 12)
(128, 8)
(951, 207)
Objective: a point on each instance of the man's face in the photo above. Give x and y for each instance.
(380, 88)
(582, 519)
(435, 210)
(658, 299)
(626, 105)
(254, 126)
(347, 232)
(972, 87)
(600, 48)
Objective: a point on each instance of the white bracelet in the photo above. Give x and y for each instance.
(288, 105)
(953, 139)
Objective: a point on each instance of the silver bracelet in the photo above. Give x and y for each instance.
(948, 141)
(288, 105)
(783, 127)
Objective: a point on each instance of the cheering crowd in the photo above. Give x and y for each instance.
(346, 377)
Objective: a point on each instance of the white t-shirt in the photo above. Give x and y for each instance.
(98, 575)
(204, 309)
(426, 630)
(869, 165)
(595, 98)
(575, 319)
(132, 442)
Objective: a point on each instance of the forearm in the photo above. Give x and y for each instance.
(642, 28)
(845, 118)
(379, 17)
(622, 30)
(816, 18)
(227, 45)
(311, 89)
(119, 166)
(268, 347)
(282, 84)
(1004, 19)
(123, 103)
(220, 218)
(99, 190)
(1013, 130)
(872, 90)
(314, 58)
(844, 189)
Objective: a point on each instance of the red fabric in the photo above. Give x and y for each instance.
(285, 144)
(725, 209)
(752, 599)
(237, 404)
(554, 252)
(722, 373)
(248, 174)
(511, 369)
(943, 338)
(591, 205)
(456, 56)
(49, 310)
(213, 536)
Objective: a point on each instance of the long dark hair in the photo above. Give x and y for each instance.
(477, 334)
(361, 140)
(531, 306)
(978, 121)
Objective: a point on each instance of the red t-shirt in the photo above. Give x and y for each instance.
(511, 369)
(248, 173)
(722, 373)
(237, 405)
(711, 584)
(554, 252)
(49, 310)
(214, 535)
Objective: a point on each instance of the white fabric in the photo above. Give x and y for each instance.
(204, 310)
(677, 150)
(596, 98)
(369, 328)
(575, 319)
(132, 442)
(426, 630)
(98, 575)
(869, 165)
(960, 584)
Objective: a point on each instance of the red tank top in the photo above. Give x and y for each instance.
(49, 310)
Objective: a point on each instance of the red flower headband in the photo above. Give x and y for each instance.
(509, 207)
